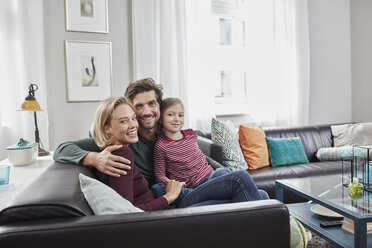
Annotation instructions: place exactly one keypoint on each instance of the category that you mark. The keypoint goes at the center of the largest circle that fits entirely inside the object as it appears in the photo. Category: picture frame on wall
(86, 16)
(88, 70)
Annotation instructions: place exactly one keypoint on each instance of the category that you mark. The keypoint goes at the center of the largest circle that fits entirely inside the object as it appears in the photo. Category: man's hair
(103, 117)
(167, 102)
(144, 85)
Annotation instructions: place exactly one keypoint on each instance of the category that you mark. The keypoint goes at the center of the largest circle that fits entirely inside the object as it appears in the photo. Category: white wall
(361, 59)
(70, 121)
(330, 69)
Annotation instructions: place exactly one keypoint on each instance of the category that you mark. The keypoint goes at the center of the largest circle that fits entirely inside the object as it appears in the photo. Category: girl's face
(173, 118)
(123, 126)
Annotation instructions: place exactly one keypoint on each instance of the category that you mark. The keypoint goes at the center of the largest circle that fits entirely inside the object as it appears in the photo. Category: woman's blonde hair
(103, 117)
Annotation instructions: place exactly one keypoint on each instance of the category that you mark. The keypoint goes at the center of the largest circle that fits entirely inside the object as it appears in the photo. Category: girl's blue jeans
(220, 186)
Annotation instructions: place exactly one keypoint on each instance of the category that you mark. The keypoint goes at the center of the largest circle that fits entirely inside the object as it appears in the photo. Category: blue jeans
(159, 189)
(237, 186)
(221, 186)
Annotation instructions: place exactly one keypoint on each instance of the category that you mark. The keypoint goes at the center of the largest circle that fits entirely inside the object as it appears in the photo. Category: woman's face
(123, 126)
(172, 118)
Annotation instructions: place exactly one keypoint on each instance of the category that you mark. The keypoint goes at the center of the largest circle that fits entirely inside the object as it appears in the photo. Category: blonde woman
(115, 123)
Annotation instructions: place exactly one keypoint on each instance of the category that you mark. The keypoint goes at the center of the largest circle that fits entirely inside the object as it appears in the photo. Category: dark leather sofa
(52, 212)
(313, 138)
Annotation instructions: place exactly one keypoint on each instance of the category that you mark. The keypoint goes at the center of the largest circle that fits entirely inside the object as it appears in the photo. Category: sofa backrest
(312, 137)
(55, 193)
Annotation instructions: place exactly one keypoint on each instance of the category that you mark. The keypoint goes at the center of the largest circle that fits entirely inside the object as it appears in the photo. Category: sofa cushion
(254, 147)
(104, 200)
(61, 198)
(225, 134)
(340, 153)
(352, 134)
(286, 151)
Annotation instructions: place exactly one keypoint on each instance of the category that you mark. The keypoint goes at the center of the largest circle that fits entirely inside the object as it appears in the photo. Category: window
(225, 31)
(243, 47)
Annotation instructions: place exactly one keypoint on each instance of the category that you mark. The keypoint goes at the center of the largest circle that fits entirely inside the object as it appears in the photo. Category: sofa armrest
(256, 224)
(210, 149)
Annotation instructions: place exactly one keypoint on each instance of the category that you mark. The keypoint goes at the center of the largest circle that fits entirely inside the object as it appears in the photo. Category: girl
(178, 157)
(115, 123)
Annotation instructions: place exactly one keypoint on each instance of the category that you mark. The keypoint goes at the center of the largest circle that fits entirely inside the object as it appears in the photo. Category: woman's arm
(86, 152)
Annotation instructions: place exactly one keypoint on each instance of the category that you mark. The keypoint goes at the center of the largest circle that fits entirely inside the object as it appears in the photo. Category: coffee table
(329, 192)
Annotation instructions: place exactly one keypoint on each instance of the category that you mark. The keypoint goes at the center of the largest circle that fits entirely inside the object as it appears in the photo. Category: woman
(115, 123)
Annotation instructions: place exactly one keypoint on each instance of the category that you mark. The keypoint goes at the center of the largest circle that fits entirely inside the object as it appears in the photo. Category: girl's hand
(173, 189)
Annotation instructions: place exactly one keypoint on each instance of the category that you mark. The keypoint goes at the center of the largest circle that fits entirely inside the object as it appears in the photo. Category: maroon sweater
(133, 186)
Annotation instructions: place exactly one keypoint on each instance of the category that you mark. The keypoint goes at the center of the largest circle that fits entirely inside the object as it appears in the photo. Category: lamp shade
(30, 105)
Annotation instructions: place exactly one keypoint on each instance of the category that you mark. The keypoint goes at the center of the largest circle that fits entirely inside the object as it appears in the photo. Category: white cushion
(352, 134)
(340, 153)
(104, 200)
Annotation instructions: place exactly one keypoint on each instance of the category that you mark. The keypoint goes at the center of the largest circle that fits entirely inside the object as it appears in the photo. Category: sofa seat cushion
(54, 194)
(265, 177)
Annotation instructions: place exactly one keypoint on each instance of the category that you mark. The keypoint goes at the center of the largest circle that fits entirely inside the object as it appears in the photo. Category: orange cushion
(253, 143)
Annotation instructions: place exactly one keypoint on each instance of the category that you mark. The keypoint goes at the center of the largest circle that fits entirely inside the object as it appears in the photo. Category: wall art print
(86, 16)
(88, 70)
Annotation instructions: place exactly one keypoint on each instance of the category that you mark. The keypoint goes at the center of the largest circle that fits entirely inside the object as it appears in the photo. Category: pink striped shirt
(180, 160)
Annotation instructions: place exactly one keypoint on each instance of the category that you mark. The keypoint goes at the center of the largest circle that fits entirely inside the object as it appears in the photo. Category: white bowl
(22, 155)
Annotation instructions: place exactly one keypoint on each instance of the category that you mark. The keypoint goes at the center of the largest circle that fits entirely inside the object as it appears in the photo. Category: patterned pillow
(224, 134)
(340, 153)
(286, 151)
(299, 236)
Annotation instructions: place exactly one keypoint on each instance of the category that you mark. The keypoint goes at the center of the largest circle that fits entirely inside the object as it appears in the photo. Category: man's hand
(173, 189)
(108, 163)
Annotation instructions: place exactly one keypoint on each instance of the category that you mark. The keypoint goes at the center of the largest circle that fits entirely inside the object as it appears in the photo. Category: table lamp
(30, 104)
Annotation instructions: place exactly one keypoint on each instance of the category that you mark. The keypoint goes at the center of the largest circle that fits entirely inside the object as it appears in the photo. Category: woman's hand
(108, 163)
(173, 189)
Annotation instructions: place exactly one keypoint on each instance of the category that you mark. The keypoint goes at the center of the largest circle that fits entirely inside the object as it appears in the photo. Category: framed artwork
(86, 16)
(88, 70)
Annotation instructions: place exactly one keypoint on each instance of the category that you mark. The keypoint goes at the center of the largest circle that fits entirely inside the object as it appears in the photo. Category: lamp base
(42, 152)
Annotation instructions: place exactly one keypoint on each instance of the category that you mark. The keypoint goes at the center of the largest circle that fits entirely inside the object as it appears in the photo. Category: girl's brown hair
(167, 102)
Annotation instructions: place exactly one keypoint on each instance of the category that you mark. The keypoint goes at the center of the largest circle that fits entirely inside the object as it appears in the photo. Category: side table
(21, 176)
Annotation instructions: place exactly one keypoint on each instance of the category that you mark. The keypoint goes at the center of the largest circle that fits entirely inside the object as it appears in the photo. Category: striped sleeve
(159, 163)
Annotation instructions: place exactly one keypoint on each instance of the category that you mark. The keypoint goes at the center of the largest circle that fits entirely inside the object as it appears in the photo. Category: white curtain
(21, 63)
(168, 47)
(173, 42)
(283, 97)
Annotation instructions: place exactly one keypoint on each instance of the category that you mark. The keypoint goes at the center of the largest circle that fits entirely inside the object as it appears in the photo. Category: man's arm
(74, 151)
(86, 152)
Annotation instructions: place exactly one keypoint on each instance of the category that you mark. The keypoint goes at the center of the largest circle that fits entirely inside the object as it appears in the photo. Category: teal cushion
(225, 134)
(286, 151)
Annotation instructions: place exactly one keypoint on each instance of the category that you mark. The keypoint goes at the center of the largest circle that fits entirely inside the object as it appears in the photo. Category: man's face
(147, 109)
